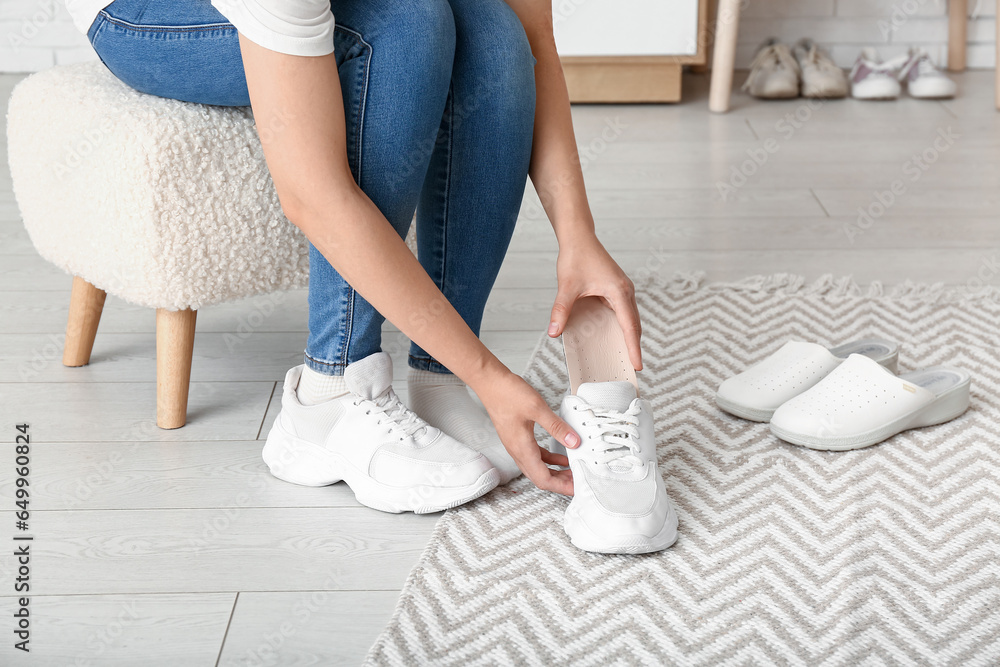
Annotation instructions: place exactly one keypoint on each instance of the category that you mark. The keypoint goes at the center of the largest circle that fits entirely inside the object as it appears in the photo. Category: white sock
(443, 401)
(315, 387)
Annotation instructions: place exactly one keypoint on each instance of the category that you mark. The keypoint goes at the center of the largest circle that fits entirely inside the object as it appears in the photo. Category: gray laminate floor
(176, 548)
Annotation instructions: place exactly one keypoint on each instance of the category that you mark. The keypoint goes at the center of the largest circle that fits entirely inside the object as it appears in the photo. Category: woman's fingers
(554, 459)
(560, 313)
(557, 428)
(557, 481)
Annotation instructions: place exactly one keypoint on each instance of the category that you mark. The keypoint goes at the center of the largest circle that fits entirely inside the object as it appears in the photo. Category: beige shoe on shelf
(820, 75)
(774, 73)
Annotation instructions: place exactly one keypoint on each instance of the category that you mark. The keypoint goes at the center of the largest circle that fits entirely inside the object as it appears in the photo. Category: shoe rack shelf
(727, 23)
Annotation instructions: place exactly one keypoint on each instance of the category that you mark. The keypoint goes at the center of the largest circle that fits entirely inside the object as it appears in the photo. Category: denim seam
(447, 190)
(364, 101)
(97, 33)
(358, 148)
(166, 28)
(323, 362)
(346, 353)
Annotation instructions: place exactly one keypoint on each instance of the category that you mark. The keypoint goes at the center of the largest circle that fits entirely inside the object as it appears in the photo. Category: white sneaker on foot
(443, 400)
(392, 460)
(619, 504)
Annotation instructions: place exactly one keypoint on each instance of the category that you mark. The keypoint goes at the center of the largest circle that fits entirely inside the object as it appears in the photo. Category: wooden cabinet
(628, 50)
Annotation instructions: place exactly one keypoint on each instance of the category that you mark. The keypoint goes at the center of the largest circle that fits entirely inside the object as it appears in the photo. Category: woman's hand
(515, 408)
(585, 268)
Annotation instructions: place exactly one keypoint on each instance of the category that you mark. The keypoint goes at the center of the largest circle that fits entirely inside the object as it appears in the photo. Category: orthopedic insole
(594, 345)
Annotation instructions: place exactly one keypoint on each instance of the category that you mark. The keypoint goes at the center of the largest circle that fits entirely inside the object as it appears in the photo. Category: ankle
(315, 387)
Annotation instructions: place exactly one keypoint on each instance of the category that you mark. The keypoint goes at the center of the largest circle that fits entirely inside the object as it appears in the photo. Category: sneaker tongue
(369, 377)
(615, 396)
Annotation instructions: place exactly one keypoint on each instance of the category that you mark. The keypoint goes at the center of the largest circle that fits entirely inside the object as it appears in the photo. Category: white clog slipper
(861, 403)
(796, 367)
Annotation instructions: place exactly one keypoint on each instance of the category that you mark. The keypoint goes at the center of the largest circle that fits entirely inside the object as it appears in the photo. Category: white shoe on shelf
(861, 403)
(392, 460)
(923, 79)
(758, 391)
(620, 504)
(873, 79)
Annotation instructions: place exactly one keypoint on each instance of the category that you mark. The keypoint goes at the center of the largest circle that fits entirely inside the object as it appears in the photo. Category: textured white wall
(845, 26)
(35, 34)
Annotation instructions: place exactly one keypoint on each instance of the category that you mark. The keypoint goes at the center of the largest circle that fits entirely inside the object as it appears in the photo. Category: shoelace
(618, 432)
(766, 54)
(396, 413)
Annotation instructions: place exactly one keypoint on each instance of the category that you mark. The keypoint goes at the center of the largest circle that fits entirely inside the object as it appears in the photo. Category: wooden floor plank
(297, 629)
(182, 475)
(126, 411)
(90, 552)
(122, 630)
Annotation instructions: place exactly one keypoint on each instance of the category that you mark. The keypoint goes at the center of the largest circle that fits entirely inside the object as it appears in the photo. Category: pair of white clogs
(843, 398)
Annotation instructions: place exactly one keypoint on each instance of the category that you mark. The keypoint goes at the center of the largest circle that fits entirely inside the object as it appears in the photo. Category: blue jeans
(439, 98)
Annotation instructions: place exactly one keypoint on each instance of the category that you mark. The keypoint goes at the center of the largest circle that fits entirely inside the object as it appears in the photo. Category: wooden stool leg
(724, 56)
(86, 303)
(958, 13)
(174, 347)
(996, 68)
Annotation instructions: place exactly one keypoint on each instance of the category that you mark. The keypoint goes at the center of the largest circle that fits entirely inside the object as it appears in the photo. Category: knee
(418, 36)
(493, 44)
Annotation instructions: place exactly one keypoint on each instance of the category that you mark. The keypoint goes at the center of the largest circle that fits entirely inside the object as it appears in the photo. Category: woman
(369, 110)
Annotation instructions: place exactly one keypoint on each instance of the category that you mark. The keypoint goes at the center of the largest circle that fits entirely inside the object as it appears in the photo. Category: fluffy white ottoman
(162, 203)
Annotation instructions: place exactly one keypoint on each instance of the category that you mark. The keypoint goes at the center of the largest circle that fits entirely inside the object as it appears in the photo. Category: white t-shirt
(295, 27)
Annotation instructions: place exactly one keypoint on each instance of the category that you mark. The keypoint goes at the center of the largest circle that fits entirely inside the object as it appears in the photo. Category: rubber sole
(583, 538)
(947, 407)
(305, 463)
(752, 414)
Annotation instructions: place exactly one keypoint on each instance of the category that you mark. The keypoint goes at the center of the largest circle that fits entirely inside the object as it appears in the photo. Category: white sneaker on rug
(923, 79)
(758, 391)
(774, 73)
(873, 79)
(392, 460)
(861, 404)
(619, 505)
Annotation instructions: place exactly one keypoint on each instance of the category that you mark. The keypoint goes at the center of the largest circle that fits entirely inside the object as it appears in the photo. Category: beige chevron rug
(884, 556)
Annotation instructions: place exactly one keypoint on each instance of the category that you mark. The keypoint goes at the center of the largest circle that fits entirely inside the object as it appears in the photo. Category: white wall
(36, 34)
(845, 26)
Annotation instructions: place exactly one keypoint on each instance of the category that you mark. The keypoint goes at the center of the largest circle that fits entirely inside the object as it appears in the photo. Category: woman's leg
(395, 76)
(478, 170)
(470, 202)
(395, 63)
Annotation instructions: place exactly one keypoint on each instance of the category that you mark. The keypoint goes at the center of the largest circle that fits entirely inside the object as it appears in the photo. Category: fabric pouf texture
(163, 203)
